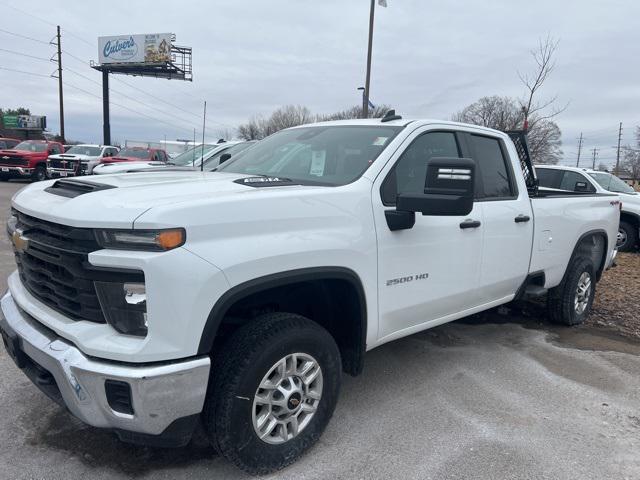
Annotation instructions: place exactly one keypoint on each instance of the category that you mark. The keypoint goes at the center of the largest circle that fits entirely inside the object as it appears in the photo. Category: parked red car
(28, 159)
(138, 154)
(8, 142)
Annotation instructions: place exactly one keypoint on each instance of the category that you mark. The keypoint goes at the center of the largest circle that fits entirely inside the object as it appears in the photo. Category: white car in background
(594, 181)
(66, 164)
(192, 159)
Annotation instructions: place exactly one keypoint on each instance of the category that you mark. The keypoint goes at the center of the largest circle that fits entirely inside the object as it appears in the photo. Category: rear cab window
(493, 170)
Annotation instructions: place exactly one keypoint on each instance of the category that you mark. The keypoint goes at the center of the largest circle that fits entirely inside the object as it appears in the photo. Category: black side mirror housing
(448, 190)
(224, 157)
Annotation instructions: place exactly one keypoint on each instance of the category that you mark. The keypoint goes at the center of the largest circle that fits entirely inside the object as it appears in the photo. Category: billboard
(143, 49)
(25, 122)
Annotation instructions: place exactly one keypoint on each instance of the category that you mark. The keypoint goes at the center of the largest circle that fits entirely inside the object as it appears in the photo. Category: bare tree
(291, 115)
(288, 116)
(533, 109)
(505, 113)
(631, 161)
(354, 112)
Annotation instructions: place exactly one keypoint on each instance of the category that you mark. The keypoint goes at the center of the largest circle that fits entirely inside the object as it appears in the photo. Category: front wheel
(627, 237)
(273, 390)
(39, 174)
(570, 302)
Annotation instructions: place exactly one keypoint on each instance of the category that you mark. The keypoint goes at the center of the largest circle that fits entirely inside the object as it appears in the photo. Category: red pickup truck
(28, 159)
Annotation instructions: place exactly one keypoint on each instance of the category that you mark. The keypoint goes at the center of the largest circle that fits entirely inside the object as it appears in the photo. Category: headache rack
(519, 138)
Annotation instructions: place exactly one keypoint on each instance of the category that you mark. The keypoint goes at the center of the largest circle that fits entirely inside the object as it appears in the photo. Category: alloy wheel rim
(622, 237)
(287, 398)
(583, 293)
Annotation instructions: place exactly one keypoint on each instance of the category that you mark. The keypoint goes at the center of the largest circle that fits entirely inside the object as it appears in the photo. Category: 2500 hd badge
(410, 278)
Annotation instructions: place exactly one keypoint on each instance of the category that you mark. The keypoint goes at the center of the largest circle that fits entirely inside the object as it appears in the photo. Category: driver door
(431, 271)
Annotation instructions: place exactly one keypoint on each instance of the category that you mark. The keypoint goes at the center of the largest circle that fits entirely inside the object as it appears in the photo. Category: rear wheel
(627, 236)
(273, 390)
(570, 302)
(39, 174)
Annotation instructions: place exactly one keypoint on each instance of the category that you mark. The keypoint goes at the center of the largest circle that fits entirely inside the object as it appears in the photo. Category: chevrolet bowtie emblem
(5, 158)
(21, 243)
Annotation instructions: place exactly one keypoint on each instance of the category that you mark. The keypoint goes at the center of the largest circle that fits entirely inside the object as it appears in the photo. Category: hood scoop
(74, 188)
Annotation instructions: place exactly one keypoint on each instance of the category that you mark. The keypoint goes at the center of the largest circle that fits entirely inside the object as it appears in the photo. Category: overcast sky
(430, 59)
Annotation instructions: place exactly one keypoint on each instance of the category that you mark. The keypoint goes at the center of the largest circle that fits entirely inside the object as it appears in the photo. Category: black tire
(630, 236)
(39, 174)
(561, 300)
(236, 373)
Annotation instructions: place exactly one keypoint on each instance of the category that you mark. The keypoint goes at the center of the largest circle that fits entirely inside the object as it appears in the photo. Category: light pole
(365, 94)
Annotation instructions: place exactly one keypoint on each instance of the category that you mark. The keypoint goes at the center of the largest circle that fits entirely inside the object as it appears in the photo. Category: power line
(25, 55)
(127, 96)
(25, 72)
(23, 36)
(126, 108)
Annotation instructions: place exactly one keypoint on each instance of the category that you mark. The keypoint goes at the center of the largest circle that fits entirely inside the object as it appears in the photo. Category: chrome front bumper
(161, 394)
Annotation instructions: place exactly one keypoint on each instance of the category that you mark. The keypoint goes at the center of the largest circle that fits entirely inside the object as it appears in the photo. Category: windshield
(327, 155)
(82, 150)
(31, 146)
(193, 156)
(135, 152)
(214, 160)
(611, 183)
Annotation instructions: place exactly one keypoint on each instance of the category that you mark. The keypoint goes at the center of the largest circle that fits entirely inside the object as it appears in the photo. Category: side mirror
(449, 190)
(224, 157)
(581, 187)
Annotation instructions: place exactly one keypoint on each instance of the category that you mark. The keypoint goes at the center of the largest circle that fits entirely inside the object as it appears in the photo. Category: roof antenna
(390, 115)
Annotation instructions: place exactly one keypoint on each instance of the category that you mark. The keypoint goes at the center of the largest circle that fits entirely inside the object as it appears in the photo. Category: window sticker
(317, 162)
(379, 141)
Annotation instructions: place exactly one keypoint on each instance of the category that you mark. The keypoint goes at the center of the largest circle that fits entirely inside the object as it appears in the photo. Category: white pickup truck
(147, 303)
(592, 181)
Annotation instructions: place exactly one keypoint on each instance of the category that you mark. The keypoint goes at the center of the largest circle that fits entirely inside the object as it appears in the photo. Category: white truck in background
(587, 180)
(148, 303)
(78, 160)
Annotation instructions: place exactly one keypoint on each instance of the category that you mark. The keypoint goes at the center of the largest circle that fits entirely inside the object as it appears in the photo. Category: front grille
(55, 269)
(13, 160)
(64, 164)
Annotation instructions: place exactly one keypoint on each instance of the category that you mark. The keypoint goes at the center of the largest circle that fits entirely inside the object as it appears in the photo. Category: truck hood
(115, 201)
(72, 156)
(124, 167)
(22, 153)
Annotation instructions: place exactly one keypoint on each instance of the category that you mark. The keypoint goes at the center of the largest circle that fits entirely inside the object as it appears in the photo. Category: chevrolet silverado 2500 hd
(146, 303)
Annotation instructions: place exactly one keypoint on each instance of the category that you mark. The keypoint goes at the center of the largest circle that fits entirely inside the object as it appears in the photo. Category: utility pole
(60, 85)
(618, 151)
(579, 150)
(365, 97)
(204, 126)
(595, 154)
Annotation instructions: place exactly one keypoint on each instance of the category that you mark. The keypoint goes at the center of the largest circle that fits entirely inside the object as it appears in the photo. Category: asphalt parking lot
(494, 397)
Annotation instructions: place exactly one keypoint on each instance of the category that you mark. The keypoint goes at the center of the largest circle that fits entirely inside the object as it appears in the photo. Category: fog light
(124, 306)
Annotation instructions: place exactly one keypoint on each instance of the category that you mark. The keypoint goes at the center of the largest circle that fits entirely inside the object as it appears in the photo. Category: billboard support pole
(106, 126)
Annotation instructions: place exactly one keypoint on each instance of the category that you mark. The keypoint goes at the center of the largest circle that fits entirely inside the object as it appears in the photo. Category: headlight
(156, 240)
(124, 306)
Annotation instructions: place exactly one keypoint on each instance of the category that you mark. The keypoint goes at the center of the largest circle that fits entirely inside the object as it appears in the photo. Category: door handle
(470, 224)
(522, 218)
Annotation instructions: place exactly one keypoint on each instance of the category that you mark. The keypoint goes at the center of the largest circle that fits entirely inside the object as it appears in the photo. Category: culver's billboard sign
(143, 48)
